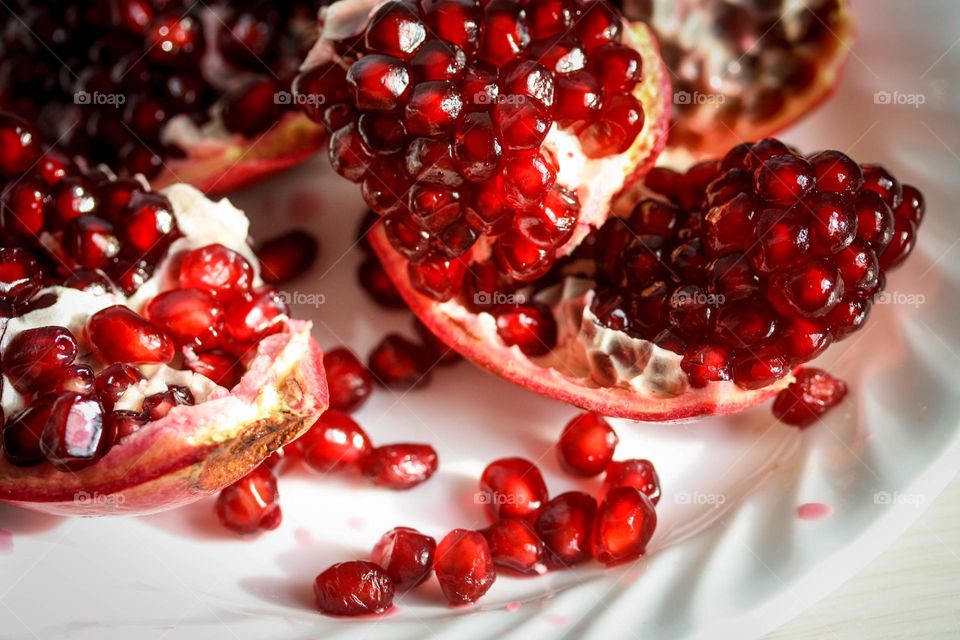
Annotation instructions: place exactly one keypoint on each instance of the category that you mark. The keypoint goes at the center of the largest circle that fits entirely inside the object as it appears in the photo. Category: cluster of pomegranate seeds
(811, 395)
(251, 504)
(750, 265)
(441, 109)
(103, 79)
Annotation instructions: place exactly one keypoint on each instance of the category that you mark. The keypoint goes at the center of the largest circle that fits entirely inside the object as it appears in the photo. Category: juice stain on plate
(513, 607)
(6, 541)
(814, 511)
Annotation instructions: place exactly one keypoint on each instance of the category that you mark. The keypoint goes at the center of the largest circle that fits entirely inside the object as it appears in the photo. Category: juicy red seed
(579, 98)
(159, 405)
(615, 129)
(434, 207)
(149, 226)
(175, 41)
(834, 222)
(353, 588)
(223, 369)
(399, 466)
(406, 555)
(113, 381)
(757, 370)
(334, 442)
(438, 60)
(521, 122)
(563, 55)
(626, 521)
(808, 290)
(129, 276)
(36, 358)
(383, 134)
(91, 242)
(566, 525)
(529, 78)
(587, 445)
(123, 424)
(803, 340)
(847, 317)
(456, 21)
(746, 324)
(515, 545)
(811, 395)
(22, 432)
(433, 109)
(639, 474)
(548, 18)
(599, 24)
(432, 161)
(77, 378)
(521, 259)
(255, 316)
(464, 566)
(904, 238)
(619, 68)
(837, 173)
(223, 273)
(913, 206)
(189, 316)
(882, 182)
(874, 220)
(287, 256)
(528, 179)
(24, 207)
(399, 363)
(395, 29)
(320, 88)
(118, 334)
(437, 276)
(553, 222)
(477, 148)
(19, 145)
(246, 39)
(19, 275)
(375, 281)
(349, 381)
(480, 86)
(531, 327)
(379, 82)
(782, 239)
(512, 488)
(728, 186)
(782, 180)
(505, 33)
(706, 363)
(858, 266)
(74, 436)
(251, 504)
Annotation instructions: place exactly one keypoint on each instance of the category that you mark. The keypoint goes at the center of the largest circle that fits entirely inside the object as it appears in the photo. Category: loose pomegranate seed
(566, 525)
(399, 466)
(811, 395)
(113, 381)
(255, 316)
(35, 358)
(334, 442)
(378, 284)
(586, 445)
(189, 316)
(22, 432)
(406, 555)
(118, 334)
(287, 257)
(353, 588)
(464, 566)
(512, 488)
(400, 364)
(638, 474)
(349, 382)
(159, 405)
(531, 327)
(74, 436)
(221, 272)
(250, 504)
(19, 275)
(625, 523)
(515, 545)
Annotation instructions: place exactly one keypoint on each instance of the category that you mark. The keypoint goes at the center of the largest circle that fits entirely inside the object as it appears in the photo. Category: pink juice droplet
(513, 606)
(814, 511)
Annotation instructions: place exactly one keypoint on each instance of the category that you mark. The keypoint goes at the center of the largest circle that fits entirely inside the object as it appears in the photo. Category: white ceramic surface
(732, 557)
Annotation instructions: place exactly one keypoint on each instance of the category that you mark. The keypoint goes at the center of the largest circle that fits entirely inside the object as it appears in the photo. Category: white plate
(732, 557)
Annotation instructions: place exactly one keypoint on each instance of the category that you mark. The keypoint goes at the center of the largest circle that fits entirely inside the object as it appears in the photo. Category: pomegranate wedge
(703, 297)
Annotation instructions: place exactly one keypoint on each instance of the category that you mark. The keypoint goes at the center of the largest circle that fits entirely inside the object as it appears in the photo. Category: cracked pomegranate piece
(515, 545)
(399, 466)
(638, 474)
(587, 445)
(812, 394)
(704, 293)
(464, 566)
(512, 488)
(348, 379)
(406, 555)
(334, 442)
(566, 525)
(118, 382)
(177, 92)
(251, 504)
(353, 588)
(626, 521)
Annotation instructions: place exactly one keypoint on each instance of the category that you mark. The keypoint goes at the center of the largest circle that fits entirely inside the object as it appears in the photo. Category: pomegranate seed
(223, 369)
(255, 316)
(480, 86)
(529, 78)
(638, 474)
(406, 555)
(19, 146)
(731, 226)
(706, 363)
(379, 82)
(113, 381)
(760, 369)
(874, 220)
(521, 122)
(803, 340)
(464, 566)
(615, 129)
(515, 545)
(123, 424)
(439, 60)
(834, 222)
(159, 405)
(512, 488)
(353, 588)
(625, 523)
(129, 277)
(175, 41)
(246, 39)
(252, 109)
(531, 327)
(400, 364)
(599, 24)
(782, 180)
(505, 33)
(783, 238)
(433, 109)
(409, 240)
(281, 460)
(904, 238)
(383, 135)
(74, 436)
(566, 527)
(913, 207)
(189, 316)
(437, 276)
(21, 434)
(836, 172)
(334, 442)
(251, 504)
(118, 334)
(287, 257)
(586, 445)
(91, 242)
(36, 358)
(395, 29)
(618, 67)
(455, 21)
(399, 466)
(24, 207)
(521, 259)
(808, 291)
(882, 182)
(579, 98)
(349, 381)
(549, 18)
(150, 225)
(329, 82)
(811, 395)
(746, 324)
(77, 378)
(19, 275)
(477, 148)
(223, 273)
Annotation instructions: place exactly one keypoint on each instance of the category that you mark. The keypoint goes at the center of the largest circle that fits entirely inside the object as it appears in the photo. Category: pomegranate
(353, 588)
(125, 386)
(464, 566)
(745, 70)
(625, 523)
(586, 445)
(406, 555)
(812, 394)
(176, 91)
(705, 295)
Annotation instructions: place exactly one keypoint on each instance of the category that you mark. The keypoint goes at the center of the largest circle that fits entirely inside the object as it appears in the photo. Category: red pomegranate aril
(22, 432)
(432, 161)
(19, 275)
(349, 381)
(522, 123)
(808, 290)
(783, 237)
(334, 442)
(113, 381)
(530, 327)
(319, 89)
(433, 109)
(877, 179)
(246, 39)
(223, 273)
(565, 524)
(149, 226)
(406, 555)
(464, 566)
(615, 129)
(599, 24)
(399, 466)
(848, 316)
(24, 207)
(809, 397)
(19, 146)
(175, 41)
(433, 207)
(189, 316)
(382, 134)
(512, 488)
(129, 276)
(617, 67)
(746, 324)
(36, 358)
(547, 18)
(77, 378)
(579, 98)
(528, 178)
(874, 220)
(587, 445)
(755, 370)
(287, 257)
(858, 267)
(515, 545)
(437, 276)
(553, 222)
(456, 21)
(91, 242)
(221, 368)
(400, 364)
(913, 207)
(706, 363)
(118, 334)
(353, 588)
(123, 424)
(477, 148)
(836, 172)
(255, 316)
(379, 82)
(834, 222)
(74, 436)
(159, 405)
(782, 180)
(529, 78)
(72, 198)
(349, 155)
(505, 34)
(251, 504)
(904, 238)
(626, 521)
(639, 474)
(563, 55)
(395, 29)
(438, 60)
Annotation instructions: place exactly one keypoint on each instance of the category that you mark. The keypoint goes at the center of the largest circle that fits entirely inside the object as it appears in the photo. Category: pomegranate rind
(194, 451)
(463, 331)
